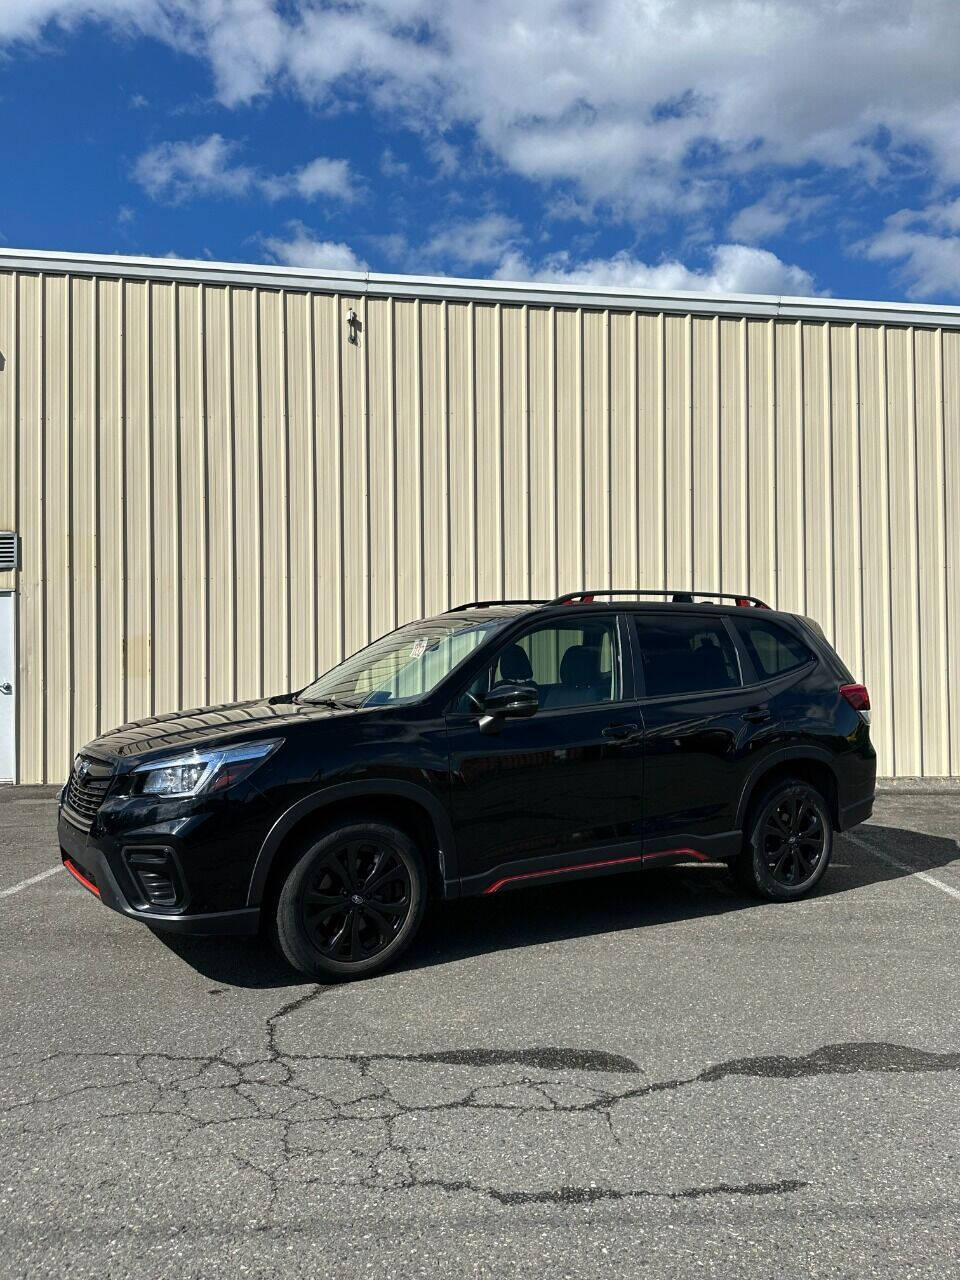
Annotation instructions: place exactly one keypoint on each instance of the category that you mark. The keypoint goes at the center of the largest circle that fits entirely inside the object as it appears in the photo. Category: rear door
(706, 725)
(566, 785)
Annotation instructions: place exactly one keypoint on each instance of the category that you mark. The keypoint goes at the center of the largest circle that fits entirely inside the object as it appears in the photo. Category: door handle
(756, 715)
(6, 687)
(621, 732)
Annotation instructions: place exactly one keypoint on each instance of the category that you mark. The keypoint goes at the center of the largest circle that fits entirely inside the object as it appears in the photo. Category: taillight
(858, 697)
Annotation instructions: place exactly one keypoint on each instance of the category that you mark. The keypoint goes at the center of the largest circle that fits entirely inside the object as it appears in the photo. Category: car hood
(208, 726)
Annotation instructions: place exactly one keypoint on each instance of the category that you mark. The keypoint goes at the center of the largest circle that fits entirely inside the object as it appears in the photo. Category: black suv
(501, 744)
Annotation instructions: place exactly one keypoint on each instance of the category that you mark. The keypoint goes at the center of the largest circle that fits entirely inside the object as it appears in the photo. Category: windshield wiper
(323, 702)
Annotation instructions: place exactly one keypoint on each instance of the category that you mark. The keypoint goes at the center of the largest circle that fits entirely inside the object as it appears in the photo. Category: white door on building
(8, 687)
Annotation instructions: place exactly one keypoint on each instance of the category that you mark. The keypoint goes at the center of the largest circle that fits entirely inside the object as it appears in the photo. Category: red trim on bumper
(78, 875)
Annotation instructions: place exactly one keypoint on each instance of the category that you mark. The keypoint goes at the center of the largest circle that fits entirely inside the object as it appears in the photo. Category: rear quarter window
(772, 649)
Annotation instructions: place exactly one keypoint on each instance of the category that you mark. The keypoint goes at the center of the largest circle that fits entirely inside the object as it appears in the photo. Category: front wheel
(352, 901)
(788, 842)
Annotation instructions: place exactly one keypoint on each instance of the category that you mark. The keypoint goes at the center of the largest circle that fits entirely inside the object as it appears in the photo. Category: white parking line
(25, 884)
(903, 866)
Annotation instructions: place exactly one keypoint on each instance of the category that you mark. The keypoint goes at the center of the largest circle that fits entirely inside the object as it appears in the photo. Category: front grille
(86, 790)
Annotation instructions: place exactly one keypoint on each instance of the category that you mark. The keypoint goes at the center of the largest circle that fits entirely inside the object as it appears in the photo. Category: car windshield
(404, 665)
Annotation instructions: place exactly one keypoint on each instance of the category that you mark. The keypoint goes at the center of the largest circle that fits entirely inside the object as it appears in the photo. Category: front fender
(317, 801)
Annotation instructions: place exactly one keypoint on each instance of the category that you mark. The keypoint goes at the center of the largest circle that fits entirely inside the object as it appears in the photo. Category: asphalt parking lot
(644, 1075)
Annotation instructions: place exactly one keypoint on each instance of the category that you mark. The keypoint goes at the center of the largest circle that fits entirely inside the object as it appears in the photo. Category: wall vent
(9, 551)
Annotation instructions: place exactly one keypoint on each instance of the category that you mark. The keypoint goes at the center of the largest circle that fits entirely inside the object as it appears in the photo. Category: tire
(352, 902)
(788, 842)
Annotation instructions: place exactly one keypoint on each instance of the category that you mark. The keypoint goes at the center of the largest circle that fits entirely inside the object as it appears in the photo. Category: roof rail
(490, 604)
(676, 597)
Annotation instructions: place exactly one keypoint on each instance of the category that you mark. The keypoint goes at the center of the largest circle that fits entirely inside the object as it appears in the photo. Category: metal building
(224, 478)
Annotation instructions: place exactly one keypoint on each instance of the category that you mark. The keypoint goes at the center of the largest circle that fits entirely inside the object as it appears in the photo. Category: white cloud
(302, 249)
(733, 268)
(618, 97)
(321, 177)
(474, 242)
(925, 246)
(177, 171)
(782, 207)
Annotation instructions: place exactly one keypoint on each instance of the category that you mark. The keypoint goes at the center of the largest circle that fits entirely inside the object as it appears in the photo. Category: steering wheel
(477, 704)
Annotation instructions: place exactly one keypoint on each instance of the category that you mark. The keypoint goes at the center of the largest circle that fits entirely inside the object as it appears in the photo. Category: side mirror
(508, 701)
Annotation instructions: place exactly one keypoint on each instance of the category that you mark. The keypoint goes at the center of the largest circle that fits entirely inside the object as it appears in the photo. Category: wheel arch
(413, 809)
(812, 764)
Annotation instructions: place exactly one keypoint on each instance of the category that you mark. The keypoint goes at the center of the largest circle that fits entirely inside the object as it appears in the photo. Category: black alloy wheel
(793, 840)
(356, 900)
(789, 840)
(352, 901)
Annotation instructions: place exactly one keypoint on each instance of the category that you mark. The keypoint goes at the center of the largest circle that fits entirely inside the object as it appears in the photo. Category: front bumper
(99, 867)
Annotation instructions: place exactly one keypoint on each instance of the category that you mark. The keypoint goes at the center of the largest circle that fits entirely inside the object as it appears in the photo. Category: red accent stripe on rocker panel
(591, 866)
(78, 875)
(673, 853)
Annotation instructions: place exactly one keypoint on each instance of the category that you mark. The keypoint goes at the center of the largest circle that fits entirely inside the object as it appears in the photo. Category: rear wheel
(788, 842)
(352, 901)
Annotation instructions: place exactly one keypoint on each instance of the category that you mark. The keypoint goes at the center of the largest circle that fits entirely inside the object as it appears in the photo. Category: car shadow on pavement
(533, 916)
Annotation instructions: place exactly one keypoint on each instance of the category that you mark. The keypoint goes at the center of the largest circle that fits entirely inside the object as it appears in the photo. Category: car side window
(686, 654)
(570, 665)
(772, 649)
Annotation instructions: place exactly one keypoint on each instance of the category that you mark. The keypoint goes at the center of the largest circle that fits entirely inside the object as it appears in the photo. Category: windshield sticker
(419, 647)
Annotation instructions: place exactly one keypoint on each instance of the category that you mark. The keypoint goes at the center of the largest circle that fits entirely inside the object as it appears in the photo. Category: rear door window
(771, 648)
(682, 653)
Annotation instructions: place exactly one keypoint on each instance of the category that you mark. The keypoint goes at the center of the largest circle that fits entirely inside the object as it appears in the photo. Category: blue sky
(791, 146)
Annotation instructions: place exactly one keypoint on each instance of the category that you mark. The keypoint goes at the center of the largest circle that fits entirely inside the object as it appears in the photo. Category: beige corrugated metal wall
(219, 494)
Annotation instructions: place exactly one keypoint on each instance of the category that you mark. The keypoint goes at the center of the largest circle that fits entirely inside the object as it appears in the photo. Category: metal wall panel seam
(920, 748)
(690, 480)
(774, 449)
(717, 534)
(313, 501)
(365, 470)
(17, 520)
(889, 548)
(501, 552)
(41, 709)
(744, 361)
(581, 456)
(231, 463)
(418, 446)
(445, 449)
(829, 459)
(96, 504)
(283, 504)
(70, 549)
(258, 492)
(472, 447)
(800, 445)
(858, 454)
(953, 748)
(338, 449)
(525, 418)
(662, 394)
(394, 544)
(178, 490)
(607, 454)
(552, 447)
(204, 474)
(123, 425)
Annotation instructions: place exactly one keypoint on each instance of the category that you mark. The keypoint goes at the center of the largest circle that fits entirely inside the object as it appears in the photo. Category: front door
(707, 724)
(564, 786)
(8, 687)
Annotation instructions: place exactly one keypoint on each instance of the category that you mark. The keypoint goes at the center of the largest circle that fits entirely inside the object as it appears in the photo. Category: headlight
(196, 771)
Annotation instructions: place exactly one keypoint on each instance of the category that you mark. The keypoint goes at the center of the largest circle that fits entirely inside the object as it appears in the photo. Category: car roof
(475, 614)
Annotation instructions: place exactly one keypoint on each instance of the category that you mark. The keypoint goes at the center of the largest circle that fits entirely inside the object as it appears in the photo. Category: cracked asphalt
(644, 1075)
